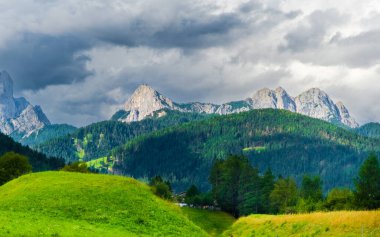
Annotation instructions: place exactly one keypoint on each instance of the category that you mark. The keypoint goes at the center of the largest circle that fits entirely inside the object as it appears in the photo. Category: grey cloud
(311, 32)
(36, 61)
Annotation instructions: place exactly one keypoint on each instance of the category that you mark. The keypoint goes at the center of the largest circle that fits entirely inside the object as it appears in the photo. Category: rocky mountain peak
(17, 114)
(144, 101)
(264, 98)
(317, 104)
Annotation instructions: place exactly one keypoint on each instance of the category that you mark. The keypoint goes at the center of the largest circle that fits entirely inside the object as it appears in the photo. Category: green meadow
(74, 204)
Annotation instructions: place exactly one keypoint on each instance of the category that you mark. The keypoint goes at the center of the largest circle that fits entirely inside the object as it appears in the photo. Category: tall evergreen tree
(311, 188)
(367, 194)
(249, 191)
(284, 195)
(267, 187)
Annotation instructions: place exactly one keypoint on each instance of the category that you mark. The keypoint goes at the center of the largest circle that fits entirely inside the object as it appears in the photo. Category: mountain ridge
(314, 103)
(17, 114)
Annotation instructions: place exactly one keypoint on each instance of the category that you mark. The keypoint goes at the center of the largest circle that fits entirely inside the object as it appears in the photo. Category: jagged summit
(17, 114)
(144, 101)
(314, 103)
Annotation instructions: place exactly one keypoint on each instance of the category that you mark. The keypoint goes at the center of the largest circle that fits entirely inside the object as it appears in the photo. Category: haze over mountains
(313, 103)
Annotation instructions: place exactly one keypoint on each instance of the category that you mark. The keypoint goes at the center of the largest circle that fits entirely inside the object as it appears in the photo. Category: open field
(343, 223)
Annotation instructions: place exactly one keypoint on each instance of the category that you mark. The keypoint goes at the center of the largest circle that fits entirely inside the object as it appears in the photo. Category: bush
(80, 167)
(161, 188)
(339, 199)
(13, 165)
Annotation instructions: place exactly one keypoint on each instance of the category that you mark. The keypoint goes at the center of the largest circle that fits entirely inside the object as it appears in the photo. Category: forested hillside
(97, 140)
(44, 134)
(369, 130)
(288, 143)
(38, 161)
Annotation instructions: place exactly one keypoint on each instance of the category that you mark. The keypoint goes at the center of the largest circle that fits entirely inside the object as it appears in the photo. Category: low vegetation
(213, 222)
(343, 223)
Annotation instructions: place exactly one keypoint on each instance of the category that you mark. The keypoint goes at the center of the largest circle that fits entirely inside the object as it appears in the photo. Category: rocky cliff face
(313, 103)
(17, 114)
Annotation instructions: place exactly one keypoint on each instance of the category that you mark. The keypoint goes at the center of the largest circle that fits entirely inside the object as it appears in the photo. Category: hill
(344, 223)
(98, 139)
(73, 204)
(39, 161)
(369, 130)
(288, 143)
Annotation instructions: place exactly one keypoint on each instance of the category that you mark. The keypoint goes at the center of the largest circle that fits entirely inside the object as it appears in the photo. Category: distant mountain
(369, 130)
(39, 161)
(17, 114)
(288, 143)
(313, 103)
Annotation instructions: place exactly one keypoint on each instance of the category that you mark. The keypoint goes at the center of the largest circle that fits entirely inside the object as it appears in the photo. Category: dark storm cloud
(37, 60)
(187, 32)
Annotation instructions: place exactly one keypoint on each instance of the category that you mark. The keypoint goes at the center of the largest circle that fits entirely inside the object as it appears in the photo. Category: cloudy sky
(80, 60)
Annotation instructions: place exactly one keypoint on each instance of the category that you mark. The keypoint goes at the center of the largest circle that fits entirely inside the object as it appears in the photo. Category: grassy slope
(344, 223)
(213, 222)
(73, 204)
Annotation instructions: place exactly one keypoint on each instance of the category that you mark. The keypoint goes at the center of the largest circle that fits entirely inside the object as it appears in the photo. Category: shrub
(13, 165)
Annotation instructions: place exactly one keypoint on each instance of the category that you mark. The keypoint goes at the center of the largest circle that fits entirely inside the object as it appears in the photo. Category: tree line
(238, 188)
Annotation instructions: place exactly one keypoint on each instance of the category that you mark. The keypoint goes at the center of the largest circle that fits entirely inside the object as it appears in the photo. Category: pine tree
(367, 194)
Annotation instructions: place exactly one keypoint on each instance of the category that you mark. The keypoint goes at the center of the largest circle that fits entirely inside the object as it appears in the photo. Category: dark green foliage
(284, 196)
(226, 177)
(192, 191)
(290, 144)
(97, 140)
(80, 167)
(161, 188)
(266, 189)
(192, 196)
(311, 188)
(367, 194)
(38, 160)
(13, 165)
(46, 133)
(369, 130)
(249, 191)
(339, 199)
(195, 198)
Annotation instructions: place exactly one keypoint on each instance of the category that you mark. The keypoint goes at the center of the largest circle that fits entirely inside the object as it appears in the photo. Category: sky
(81, 60)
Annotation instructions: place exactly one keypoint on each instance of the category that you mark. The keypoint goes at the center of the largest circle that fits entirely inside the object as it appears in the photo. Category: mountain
(313, 103)
(288, 143)
(39, 161)
(369, 130)
(98, 139)
(17, 114)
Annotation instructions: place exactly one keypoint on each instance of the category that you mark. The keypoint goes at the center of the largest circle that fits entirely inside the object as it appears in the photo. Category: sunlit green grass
(213, 222)
(73, 204)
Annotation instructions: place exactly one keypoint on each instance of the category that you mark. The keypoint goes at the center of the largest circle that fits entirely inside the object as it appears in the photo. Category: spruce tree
(367, 194)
